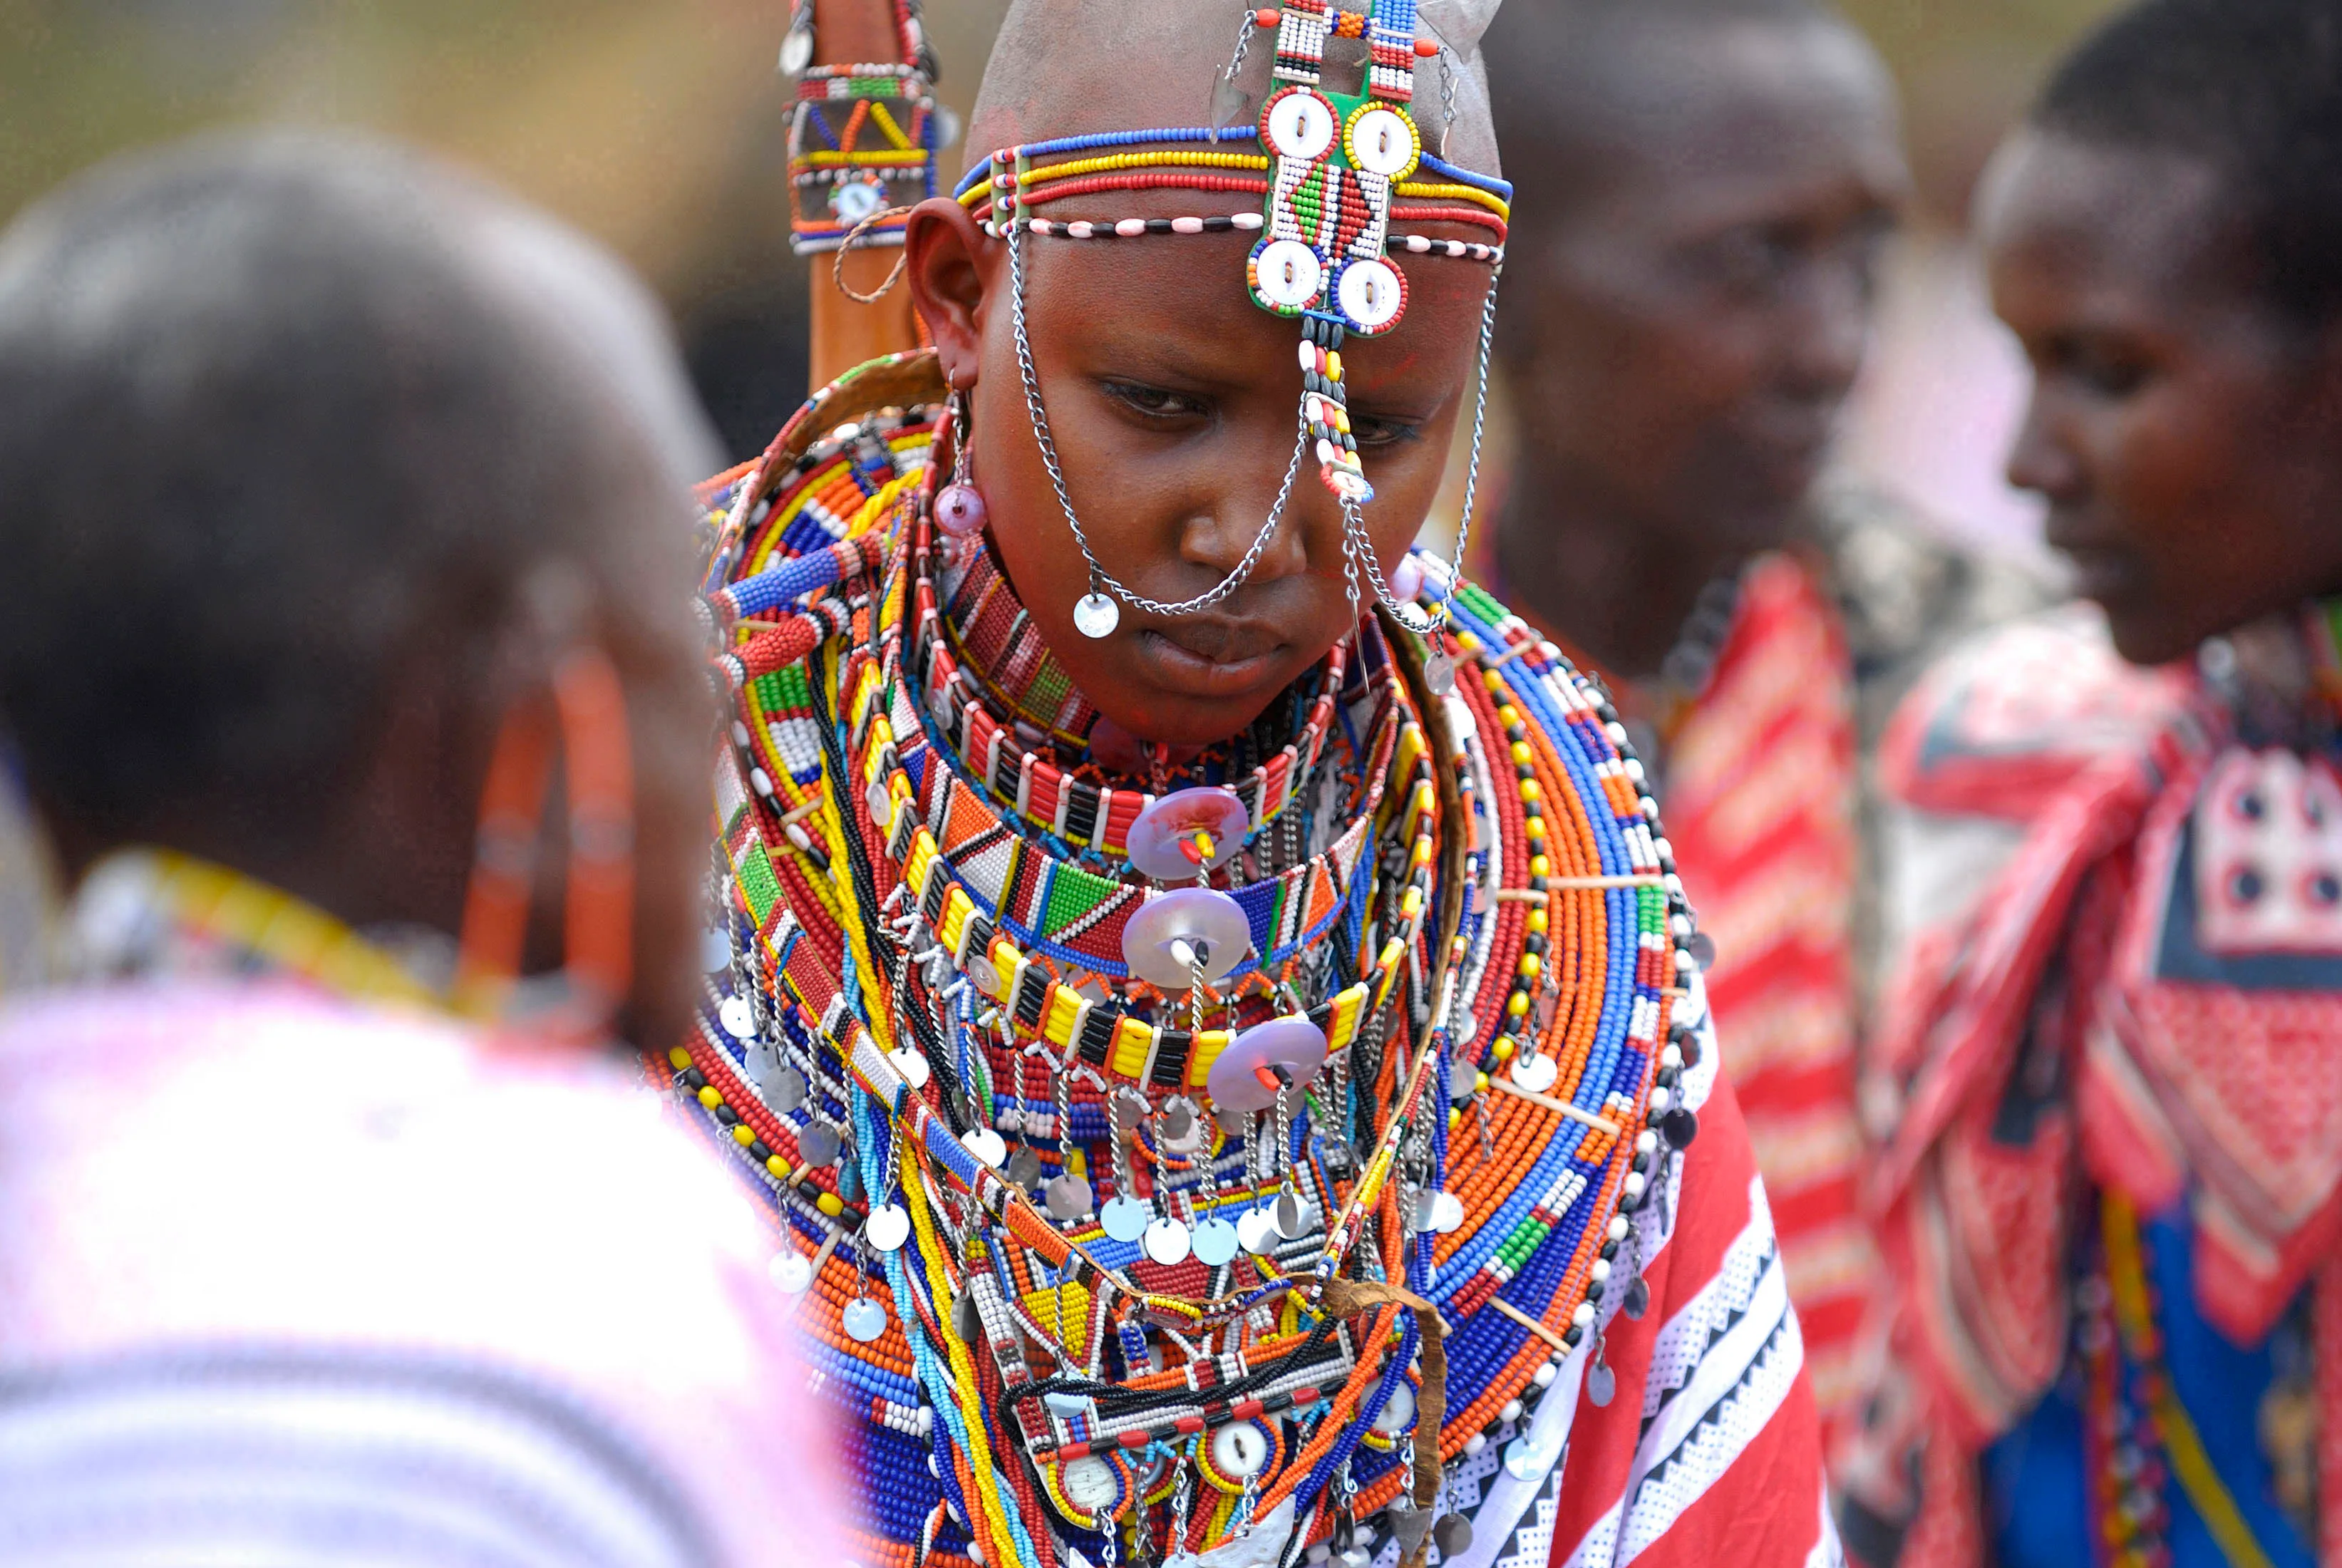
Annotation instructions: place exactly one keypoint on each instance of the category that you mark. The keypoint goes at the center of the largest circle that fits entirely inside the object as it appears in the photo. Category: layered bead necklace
(1162, 1160)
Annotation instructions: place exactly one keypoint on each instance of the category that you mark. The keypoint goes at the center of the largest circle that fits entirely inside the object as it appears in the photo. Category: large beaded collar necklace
(1229, 1181)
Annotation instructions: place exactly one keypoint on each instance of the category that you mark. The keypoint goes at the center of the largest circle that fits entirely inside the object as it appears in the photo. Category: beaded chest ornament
(1330, 173)
(1256, 1197)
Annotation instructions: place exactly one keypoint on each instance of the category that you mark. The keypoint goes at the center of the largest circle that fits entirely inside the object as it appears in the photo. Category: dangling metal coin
(987, 1146)
(1702, 948)
(1125, 1217)
(888, 1228)
(864, 1319)
(1167, 1241)
(796, 51)
(1679, 1126)
(1601, 1384)
(1536, 1073)
(1257, 1232)
(1179, 1128)
(1463, 1082)
(716, 951)
(1214, 1243)
(1448, 1213)
(912, 1065)
(739, 1020)
(1528, 1458)
(1295, 1218)
(1451, 1535)
(789, 1090)
(817, 1145)
(1427, 1210)
(1024, 1168)
(1638, 1298)
(1096, 615)
(1068, 1198)
(1439, 674)
(1397, 1412)
(793, 1271)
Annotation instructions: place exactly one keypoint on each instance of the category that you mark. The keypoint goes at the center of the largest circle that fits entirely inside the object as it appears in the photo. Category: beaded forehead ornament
(1332, 169)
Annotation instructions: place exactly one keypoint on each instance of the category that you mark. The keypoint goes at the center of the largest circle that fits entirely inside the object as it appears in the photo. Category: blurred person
(1705, 188)
(331, 499)
(1182, 1165)
(2113, 1199)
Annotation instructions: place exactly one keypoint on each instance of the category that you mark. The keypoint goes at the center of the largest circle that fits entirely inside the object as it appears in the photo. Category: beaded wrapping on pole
(864, 140)
(915, 1086)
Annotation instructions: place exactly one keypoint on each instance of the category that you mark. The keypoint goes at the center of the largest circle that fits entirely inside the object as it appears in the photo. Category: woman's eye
(1370, 432)
(1154, 402)
(2107, 369)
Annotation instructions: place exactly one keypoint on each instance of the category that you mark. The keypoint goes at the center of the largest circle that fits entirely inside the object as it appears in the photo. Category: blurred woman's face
(2182, 433)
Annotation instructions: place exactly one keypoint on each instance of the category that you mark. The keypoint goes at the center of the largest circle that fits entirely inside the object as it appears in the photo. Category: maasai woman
(2115, 1192)
(1207, 992)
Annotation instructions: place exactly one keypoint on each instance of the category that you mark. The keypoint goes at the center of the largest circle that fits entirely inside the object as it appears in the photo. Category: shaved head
(1594, 94)
(314, 456)
(1072, 67)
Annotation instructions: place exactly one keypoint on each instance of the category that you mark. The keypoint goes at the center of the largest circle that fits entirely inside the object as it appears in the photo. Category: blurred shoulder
(2003, 719)
(1908, 587)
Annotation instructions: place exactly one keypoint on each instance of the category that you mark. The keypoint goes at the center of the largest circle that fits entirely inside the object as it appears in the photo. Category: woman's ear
(946, 249)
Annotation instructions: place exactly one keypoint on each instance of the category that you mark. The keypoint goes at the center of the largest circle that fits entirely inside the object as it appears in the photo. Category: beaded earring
(590, 707)
(959, 505)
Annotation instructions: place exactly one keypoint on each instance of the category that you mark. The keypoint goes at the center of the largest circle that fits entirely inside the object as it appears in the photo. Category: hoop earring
(959, 506)
(598, 938)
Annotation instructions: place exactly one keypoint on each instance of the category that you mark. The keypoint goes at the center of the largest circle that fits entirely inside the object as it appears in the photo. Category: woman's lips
(1211, 661)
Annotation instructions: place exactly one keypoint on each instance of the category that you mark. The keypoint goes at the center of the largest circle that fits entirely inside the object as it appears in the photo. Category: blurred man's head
(313, 458)
(2165, 236)
(1701, 189)
(1171, 396)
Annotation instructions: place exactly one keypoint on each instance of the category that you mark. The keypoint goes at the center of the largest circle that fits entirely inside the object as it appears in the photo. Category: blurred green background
(658, 125)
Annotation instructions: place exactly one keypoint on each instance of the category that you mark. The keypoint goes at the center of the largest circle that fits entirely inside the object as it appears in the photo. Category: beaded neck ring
(1330, 172)
(863, 138)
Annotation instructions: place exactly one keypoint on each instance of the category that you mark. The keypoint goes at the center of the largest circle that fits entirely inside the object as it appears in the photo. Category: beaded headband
(1330, 172)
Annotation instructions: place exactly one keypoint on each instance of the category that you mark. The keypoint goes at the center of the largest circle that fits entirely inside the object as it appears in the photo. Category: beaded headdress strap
(1331, 172)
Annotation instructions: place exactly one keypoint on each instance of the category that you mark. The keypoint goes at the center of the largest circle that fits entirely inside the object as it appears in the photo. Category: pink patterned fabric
(189, 1166)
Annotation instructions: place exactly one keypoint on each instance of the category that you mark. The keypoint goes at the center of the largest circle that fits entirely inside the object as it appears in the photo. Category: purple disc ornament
(1246, 1075)
(1204, 922)
(1188, 832)
(959, 510)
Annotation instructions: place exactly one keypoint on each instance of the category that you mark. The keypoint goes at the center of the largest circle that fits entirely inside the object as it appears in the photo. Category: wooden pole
(846, 333)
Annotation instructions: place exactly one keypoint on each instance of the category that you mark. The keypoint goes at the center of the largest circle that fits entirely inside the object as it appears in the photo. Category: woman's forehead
(2078, 210)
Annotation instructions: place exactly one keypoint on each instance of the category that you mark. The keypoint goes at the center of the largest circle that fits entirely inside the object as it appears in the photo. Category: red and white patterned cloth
(1711, 1449)
(1760, 804)
(2088, 1001)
